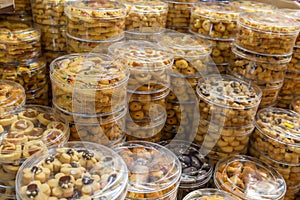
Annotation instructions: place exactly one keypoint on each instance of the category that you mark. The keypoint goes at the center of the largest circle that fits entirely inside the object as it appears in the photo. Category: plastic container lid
(280, 125)
(152, 168)
(270, 22)
(100, 173)
(142, 55)
(14, 32)
(88, 71)
(249, 178)
(209, 194)
(254, 6)
(146, 6)
(295, 13)
(29, 130)
(12, 95)
(227, 91)
(105, 9)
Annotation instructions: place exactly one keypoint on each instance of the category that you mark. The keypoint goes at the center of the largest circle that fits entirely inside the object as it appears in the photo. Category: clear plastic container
(48, 12)
(19, 42)
(39, 95)
(30, 74)
(179, 13)
(51, 55)
(249, 178)
(221, 49)
(154, 171)
(295, 105)
(277, 134)
(12, 96)
(26, 131)
(294, 64)
(146, 34)
(255, 6)
(149, 65)
(292, 193)
(191, 53)
(7, 190)
(22, 7)
(179, 29)
(88, 83)
(145, 14)
(26, 19)
(75, 45)
(291, 84)
(209, 194)
(196, 168)
(255, 69)
(284, 100)
(295, 13)
(225, 100)
(267, 33)
(75, 170)
(214, 19)
(92, 20)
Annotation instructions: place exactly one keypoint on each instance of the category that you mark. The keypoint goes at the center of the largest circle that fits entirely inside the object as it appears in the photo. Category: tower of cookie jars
(262, 49)
(276, 141)
(20, 60)
(227, 109)
(191, 58)
(148, 87)
(89, 90)
(94, 25)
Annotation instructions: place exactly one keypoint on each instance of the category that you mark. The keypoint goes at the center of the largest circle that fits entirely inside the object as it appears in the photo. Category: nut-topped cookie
(209, 194)
(76, 170)
(154, 171)
(95, 20)
(249, 178)
(277, 134)
(88, 83)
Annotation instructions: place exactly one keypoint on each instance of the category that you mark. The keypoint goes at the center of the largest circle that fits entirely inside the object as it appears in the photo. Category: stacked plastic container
(148, 86)
(209, 194)
(89, 90)
(262, 49)
(191, 58)
(227, 111)
(93, 26)
(24, 132)
(276, 141)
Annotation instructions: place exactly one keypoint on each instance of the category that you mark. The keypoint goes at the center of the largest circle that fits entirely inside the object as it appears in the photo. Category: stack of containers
(89, 90)
(179, 14)
(148, 87)
(93, 24)
(191, 57)
(276, 141)
(24, 132)
(291, 84)
(20, 60)
(227, 110)
(263, 47)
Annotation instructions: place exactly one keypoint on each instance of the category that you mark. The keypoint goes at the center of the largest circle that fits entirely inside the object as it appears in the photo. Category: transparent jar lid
(12, 95)
(249, 178)
(270, 22)
(209, 194)
(142, 54)
(184, 45)
(94, 167)
(14, 32)
(254, 6)
(105, 9)
(146, 6)
(28, 130)
(89, 71)
(227, 91)
(279, 124)
(152, 167)
(295, 13)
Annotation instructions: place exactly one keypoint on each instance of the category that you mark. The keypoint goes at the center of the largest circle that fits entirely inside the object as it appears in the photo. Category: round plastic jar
(19, 42)
(270, 92)
(277, 134)
(291, 84)
(39, 95)
(214, 19)
(12, 96)
(88, 83)
(22, 7)
(209, 194)
(48, 12)
(51, 55)
(295, 105)
(221, 50)
(92, 20)
(249, 178)
(233, 102)
(294, 64)
(26, 131)
(295, 13)
(7, 190)
(267, 33)
(26, 19)
(148, 63)
(284, 100)
(196, 168)
(154, 171)
(254, 6)
(145, 14)
(74, 170)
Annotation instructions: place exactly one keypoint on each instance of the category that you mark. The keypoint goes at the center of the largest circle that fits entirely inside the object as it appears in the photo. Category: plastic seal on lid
(249, 178)
(280, 125)
(209, 194)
